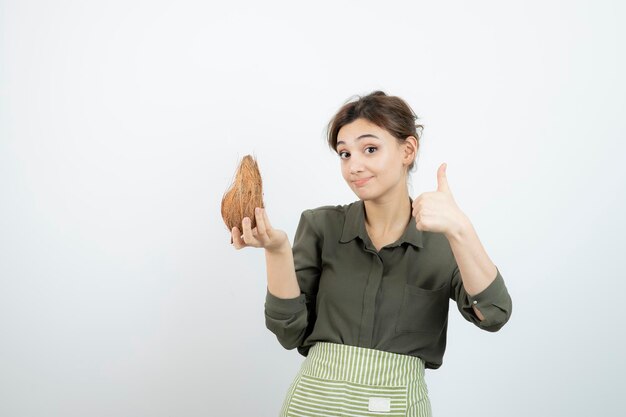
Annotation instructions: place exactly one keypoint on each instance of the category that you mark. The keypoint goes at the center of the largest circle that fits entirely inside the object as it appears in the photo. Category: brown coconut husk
(244, 195)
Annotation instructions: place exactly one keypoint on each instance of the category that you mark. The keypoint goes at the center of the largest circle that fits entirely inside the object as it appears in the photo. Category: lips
(361, 182)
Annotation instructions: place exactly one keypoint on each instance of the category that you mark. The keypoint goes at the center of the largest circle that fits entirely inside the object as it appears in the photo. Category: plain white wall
(121, 125)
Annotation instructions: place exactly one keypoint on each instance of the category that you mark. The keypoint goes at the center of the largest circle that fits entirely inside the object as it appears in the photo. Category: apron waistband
(333, 361)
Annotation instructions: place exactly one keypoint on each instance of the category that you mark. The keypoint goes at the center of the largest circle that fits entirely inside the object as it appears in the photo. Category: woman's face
(371, 159)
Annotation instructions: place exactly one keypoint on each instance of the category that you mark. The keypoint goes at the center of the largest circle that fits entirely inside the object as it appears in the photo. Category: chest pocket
(423, 310)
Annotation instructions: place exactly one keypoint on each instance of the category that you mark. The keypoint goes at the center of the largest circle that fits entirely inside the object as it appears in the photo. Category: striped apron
(341, 380)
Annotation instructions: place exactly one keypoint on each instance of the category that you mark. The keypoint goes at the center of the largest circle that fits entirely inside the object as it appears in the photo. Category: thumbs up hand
(436, 211)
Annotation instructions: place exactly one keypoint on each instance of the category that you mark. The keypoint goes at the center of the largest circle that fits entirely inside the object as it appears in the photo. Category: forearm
(281, 273)
(477, 270)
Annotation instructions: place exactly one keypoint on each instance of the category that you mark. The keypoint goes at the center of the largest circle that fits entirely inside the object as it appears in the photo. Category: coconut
(244, 195)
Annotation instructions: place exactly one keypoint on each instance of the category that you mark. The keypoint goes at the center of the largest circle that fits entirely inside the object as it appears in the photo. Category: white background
(122, 123)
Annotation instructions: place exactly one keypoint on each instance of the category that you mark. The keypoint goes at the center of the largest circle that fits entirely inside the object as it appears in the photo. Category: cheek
(392, 163)
(381, 165)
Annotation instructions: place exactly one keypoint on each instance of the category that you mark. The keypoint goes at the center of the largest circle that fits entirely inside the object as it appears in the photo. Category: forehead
(359, 129)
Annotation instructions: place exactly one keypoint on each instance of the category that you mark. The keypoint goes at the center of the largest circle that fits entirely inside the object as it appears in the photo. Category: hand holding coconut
(242, 205)
(262, 236)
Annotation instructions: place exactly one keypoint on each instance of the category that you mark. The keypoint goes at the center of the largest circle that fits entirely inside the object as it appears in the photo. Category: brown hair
(388, 112)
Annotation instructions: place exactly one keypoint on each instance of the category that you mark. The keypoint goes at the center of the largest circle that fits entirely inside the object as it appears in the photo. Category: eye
(341, 153)
(371, 147)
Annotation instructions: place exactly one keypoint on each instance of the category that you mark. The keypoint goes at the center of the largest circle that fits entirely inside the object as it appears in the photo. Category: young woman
(364, 292)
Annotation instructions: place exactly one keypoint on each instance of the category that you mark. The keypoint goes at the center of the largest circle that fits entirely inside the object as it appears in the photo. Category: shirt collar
(354, 225)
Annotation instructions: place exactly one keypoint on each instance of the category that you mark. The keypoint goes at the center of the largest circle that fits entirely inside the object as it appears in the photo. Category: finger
(416, 209)
(247, 232)
(238, 243)
(260, 222)
(442, 179)
(266, 220)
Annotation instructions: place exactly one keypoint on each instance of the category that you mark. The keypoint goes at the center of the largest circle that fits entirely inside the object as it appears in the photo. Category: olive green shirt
(395, 299)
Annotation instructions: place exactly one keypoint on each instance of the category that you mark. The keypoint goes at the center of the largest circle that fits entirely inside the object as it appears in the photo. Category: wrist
(461, 228)
(282, 249)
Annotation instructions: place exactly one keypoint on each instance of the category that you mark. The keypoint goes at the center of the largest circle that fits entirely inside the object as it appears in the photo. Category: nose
(355, 168)
(356, 165)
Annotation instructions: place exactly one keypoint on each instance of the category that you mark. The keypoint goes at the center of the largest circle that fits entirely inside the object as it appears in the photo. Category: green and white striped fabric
(342, 380)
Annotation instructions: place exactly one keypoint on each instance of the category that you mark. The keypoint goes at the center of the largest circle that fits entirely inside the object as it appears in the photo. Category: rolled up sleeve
(292, 319)
(494, 302)
(286, 318)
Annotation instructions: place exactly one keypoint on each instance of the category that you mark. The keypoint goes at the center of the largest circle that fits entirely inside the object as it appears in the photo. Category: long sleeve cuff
(494, 302)
(286, 318)
(283, 307)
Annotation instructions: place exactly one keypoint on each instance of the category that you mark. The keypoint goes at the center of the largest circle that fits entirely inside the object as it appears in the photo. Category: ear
(410, 147)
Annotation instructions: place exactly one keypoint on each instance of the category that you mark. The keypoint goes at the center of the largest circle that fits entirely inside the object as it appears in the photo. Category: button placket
(374, 281)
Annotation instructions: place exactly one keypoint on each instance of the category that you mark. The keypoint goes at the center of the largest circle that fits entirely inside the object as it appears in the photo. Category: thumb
(442, 179)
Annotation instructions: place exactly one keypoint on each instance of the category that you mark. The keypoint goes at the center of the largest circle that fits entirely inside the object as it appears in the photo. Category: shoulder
(327, 210)
(326, 217)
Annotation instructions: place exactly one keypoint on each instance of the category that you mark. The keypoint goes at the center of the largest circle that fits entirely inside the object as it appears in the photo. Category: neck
(389, 213)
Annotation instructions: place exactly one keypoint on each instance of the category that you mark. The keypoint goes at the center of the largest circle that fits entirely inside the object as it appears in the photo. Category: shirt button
(475, 302)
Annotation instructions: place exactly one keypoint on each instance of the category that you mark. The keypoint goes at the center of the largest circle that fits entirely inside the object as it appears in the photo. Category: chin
(364, 194)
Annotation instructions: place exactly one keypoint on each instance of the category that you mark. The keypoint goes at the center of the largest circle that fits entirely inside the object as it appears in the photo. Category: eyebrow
(367, 135)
